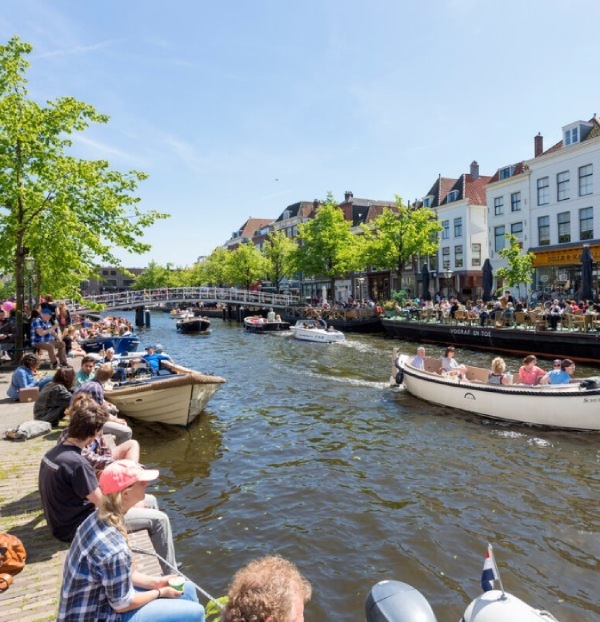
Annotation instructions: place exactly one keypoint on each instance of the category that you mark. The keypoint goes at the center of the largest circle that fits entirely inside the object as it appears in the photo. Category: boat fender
(400, 377)
(395, 601)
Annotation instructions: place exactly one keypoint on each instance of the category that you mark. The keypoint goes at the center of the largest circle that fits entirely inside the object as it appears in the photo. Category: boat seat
(432, 365)
(477, 374)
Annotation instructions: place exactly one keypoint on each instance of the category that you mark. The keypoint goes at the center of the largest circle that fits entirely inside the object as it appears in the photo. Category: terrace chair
(522, 319)
(574, 322)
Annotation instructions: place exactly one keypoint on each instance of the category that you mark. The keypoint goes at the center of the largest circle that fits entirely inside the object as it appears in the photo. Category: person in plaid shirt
(99, 582)
(44, 337)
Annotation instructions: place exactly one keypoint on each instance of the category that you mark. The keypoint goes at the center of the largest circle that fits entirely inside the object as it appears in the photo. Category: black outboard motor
(395, 601)
(589, 384)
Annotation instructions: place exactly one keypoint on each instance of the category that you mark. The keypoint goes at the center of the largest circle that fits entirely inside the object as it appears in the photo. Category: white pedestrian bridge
(181, 296)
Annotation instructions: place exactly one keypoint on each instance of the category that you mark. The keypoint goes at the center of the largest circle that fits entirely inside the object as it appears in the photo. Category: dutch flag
(490, 572)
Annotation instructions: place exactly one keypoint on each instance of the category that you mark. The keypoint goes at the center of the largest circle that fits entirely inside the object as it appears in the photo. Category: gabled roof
(440, 190)
(519, 168)
(302, 209)
(470, 188)
(359, 211)
(252, 225)
(593, 133)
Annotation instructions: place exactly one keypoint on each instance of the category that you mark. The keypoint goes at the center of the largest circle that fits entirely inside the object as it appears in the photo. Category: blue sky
(239, 108)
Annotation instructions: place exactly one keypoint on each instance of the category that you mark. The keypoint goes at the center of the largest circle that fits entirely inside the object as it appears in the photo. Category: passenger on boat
(554, 314)
(99, 580)
(497, 375)
(321, 322)
(153, 359)
(562, 372)
(449, 364)
(529, 372)
(278, 318)
(419, 360)
(269, 589)
(271, 315)
(119, 370)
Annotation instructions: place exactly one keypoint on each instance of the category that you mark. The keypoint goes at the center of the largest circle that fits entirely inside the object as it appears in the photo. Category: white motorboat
(313, 330)
(176, 398)
(574, 406)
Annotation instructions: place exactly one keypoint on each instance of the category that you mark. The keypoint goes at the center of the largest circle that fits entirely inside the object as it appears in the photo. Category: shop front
(557, 271)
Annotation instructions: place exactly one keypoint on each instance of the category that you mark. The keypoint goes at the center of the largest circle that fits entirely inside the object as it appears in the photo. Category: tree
(278, 251)
(245, 265)
(519, 268)
(327, 246)
(67, 213)
(395, 237)
(213, 269)
(154, 277)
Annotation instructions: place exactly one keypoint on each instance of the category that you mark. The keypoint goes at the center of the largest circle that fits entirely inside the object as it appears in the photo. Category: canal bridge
(182, 296)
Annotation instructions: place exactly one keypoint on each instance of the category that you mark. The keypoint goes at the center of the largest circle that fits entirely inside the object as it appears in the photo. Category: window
(543, 191)
(428, 201)
(452, 196)
(517, 230)
(564, 227)
(446, 230)
(476, 254)
(446, 257)
(458, 256)
(571, 136)
(506, 172)
(586, 185)
(499, 238)
(458, 227)
(544, 230)
(498, 206)
(515, 202)
(586, 223)
(562, 186)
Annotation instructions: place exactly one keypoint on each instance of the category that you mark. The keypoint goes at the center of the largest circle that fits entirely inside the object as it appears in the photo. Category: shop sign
(563, 257)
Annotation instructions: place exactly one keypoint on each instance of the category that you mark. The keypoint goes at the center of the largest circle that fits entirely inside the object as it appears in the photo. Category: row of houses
(549, 202)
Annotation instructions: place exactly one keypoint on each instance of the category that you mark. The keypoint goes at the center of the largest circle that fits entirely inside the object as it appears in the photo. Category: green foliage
(327, 246)
(399, 297)
(519, 268)
(69, 213)
(397, 236)
(213, 270)
(245, 265)
(278, 252)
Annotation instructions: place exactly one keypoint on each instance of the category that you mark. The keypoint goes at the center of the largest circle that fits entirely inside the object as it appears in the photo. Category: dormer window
(452, 196)
(574, 133)
(428, 201)
(506, 172)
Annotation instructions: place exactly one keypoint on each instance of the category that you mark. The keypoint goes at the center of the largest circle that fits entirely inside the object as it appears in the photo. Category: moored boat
(362, 320)
(313, 330)
(193, 324)
(574, 406)
(176, 398)
(122, 344)
(258, 324)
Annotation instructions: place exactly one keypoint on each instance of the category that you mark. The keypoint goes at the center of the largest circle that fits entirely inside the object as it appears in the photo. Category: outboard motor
(395, 601)
(590, 383)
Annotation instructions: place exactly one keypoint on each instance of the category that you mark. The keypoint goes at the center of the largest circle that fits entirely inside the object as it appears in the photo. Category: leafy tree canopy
(278, 252)
(519, 268)
(245, 265)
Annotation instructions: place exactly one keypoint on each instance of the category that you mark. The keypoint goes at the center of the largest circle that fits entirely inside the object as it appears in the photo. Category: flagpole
(493, 557)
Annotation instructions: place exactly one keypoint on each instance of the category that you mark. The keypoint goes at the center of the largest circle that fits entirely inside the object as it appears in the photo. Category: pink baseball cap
(121, 474)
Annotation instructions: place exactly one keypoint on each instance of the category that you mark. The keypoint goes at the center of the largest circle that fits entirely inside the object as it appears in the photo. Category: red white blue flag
(490, 572)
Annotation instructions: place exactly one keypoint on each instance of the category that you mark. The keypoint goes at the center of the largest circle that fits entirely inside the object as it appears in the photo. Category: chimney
(538, 145)
(474, 169)
(348, 196)
(315, 204)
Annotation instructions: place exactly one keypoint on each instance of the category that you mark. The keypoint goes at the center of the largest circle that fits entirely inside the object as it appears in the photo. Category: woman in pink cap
(99, 582)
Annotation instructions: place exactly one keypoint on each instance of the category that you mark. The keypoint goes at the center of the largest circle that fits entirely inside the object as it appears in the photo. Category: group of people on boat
(529, 373)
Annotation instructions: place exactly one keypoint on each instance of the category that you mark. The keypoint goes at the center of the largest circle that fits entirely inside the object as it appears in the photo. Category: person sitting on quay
(418, 361)
(269, 589)
(7, 333)
(561, 373)
(95, 388)
(100, 581)
(86, 371)
(55, 397)
(497, 375)
(529, 373)
(449, 364)
(24, 377)
(68, 479)
(45, 337)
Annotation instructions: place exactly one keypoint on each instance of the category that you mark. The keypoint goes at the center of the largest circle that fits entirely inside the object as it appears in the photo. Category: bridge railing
(185, 295)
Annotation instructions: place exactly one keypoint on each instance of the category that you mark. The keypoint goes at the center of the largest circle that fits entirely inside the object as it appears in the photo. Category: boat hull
(569, 407)
(581, 347)
(309, 330)
(254, 326)
(347, 321)
(174, 400)
(194, 325)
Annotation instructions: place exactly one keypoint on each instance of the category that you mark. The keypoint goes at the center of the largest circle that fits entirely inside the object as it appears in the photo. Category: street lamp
(359, 290)
(29, 268)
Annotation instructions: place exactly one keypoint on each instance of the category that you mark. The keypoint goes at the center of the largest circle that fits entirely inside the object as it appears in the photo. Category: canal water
(306, 452)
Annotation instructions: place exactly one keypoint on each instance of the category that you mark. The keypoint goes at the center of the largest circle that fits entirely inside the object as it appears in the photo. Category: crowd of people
(529, 373)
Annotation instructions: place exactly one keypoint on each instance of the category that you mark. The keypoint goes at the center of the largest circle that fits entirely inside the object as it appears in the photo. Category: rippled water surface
(306, 452)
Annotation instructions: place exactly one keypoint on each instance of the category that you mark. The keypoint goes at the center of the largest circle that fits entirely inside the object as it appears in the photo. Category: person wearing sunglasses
(561, 373)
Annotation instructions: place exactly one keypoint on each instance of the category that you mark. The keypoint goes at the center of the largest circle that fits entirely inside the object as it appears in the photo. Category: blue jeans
(184, 609)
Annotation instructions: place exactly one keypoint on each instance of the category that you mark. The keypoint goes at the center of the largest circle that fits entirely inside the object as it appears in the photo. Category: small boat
(178, 314)
(193, 324)
(258, 324)
(313, 330)
(572, 406)
(175, 398)
(122, 344)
